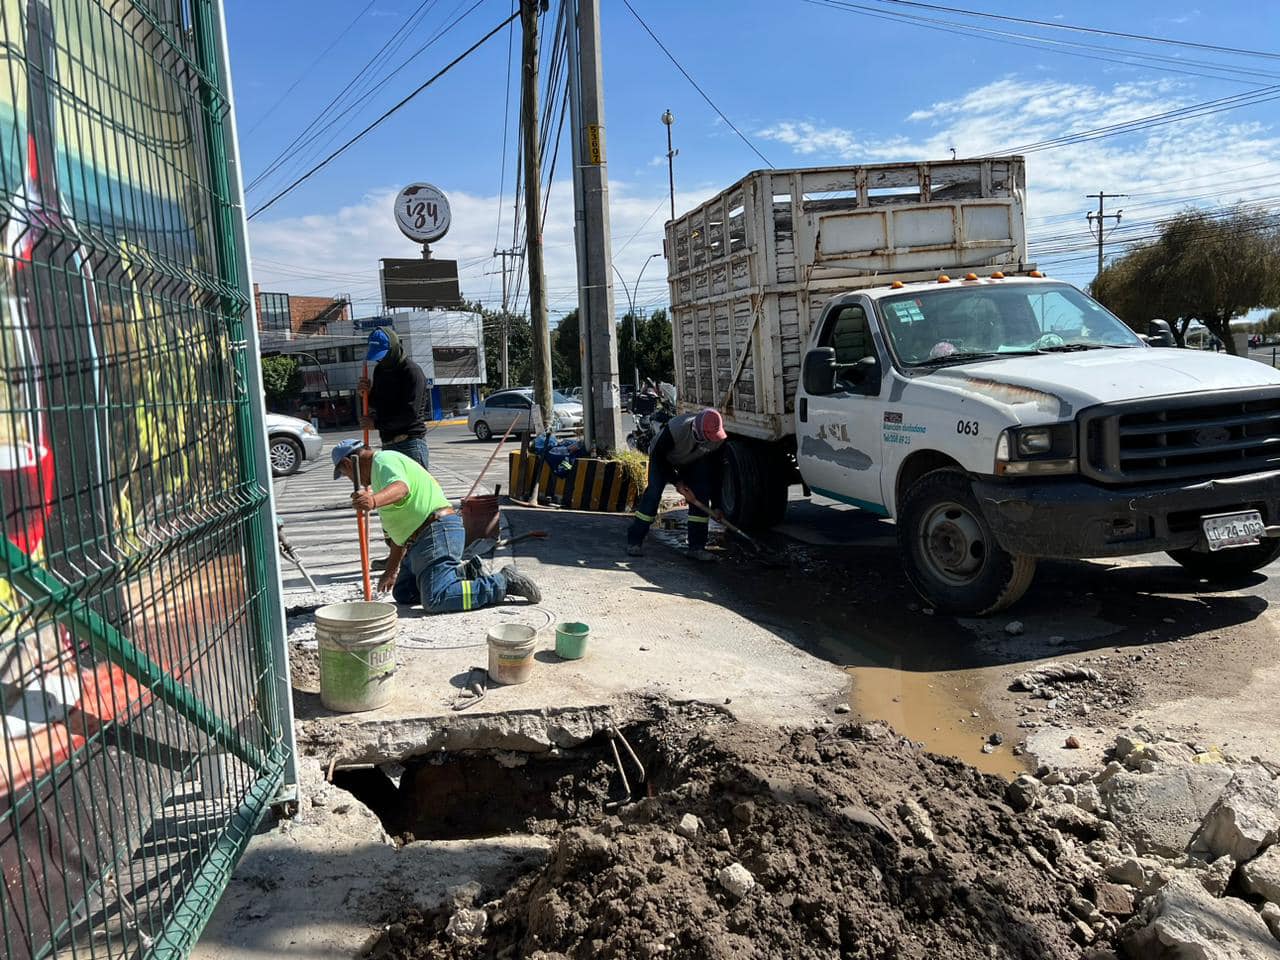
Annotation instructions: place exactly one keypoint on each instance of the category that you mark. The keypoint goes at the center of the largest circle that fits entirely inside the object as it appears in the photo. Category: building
(447, 344)
(282, 316)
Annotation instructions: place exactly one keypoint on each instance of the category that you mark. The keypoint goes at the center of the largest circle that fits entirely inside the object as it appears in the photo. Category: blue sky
(806, 83)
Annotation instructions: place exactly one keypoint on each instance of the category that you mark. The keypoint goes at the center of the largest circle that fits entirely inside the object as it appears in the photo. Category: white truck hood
(1057, 386)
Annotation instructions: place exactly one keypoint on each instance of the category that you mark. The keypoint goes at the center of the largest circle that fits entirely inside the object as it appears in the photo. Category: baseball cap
(344, 449)
(711, 424)
(379, 345)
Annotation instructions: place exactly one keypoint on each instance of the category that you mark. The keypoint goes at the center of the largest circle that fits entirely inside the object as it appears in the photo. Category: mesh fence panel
(142, 736)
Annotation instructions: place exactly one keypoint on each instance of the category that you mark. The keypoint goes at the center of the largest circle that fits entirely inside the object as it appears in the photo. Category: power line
(342, 149)
(1079, 29)
(741, 136)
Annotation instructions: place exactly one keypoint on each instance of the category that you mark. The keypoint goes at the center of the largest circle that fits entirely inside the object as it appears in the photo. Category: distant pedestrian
(425, 566)
(689, 453)
(399, 397)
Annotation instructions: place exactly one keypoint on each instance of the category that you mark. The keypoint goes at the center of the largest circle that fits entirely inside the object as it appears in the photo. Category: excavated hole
(486, 793)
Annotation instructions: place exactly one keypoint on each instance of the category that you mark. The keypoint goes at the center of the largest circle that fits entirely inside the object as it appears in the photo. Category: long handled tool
(493, 456)
(762, 553)
(362, 519)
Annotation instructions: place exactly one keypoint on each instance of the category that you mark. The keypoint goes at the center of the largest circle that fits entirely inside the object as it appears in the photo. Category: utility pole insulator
(1101, 217)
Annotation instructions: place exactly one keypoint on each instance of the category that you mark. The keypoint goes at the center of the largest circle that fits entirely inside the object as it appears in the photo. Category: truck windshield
(976, 322)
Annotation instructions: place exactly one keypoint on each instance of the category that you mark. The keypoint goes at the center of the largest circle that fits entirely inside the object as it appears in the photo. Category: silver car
(289, 442)
(495, 413)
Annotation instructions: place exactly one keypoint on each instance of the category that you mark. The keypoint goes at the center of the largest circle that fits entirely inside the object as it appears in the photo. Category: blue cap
(379, 345)
(344, 449)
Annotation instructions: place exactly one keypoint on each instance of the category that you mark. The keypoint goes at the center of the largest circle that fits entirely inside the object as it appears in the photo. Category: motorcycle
(651, 408)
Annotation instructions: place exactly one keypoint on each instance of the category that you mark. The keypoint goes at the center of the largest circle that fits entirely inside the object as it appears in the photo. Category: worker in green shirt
(427, 537)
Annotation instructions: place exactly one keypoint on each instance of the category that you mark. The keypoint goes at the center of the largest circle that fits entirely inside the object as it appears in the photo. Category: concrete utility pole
(1102, 218)
(506, 316)
(529, 10)
(591, 189)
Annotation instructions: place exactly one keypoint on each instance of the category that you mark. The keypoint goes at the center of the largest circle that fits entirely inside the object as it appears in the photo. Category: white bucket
(511, 653)
(357, 644)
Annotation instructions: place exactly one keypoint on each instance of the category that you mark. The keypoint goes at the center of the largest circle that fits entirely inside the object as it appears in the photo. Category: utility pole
(595, 255)
(529, 10)
(506, 315)
(1102, 218)
(668, 118)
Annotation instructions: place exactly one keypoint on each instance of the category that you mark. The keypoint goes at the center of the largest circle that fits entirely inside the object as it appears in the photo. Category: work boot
(700, 554)
(518, 585)
(635, 550)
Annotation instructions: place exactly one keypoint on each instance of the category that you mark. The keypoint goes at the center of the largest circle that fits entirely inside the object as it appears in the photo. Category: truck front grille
(1177, 438)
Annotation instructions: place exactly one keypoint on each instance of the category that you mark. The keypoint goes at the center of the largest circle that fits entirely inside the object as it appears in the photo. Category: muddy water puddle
(936, 710)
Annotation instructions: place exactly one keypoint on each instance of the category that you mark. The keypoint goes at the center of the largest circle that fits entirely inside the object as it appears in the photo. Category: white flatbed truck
(876, 334)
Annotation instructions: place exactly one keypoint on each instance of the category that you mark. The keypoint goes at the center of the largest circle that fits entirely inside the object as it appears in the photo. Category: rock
(667, 847)
(1127, 871)
(1087, 797)
(1053, 778)
(1109, 771)
(1022, 793)
(723, 839)
(1160, 812)
(1072, 743)
(688, 826)
(467, 923)
(1262, 876)
(917, 821)
(842, 708)
(988, 748)
(1014, 628)
(1083, 909)
(996, 739)
(1052, 673)
(1183, 920)
(465, 893)
(744, 812)
(1112, 900)
(1244, 820)
(1270, 914)
(736, 880)
(1217, 876)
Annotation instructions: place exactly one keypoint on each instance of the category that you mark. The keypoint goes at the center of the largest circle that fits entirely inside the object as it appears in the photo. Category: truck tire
(754, 489)
(949, 552)
(1227, 566)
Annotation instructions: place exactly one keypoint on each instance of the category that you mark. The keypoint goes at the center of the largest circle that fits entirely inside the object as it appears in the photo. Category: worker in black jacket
(399, 397)
(689, 452)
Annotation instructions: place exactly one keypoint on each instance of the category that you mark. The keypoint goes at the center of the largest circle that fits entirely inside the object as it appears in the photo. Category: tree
(519, 349)
(652, 348)
(281, 381)
(1202, 267)
(566, 352)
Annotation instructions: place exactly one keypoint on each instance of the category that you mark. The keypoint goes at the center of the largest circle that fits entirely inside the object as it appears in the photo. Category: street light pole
(632, 294)
(668, 118)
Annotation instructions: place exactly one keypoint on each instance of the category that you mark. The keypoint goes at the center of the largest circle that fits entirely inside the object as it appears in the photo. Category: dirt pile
(841, 841)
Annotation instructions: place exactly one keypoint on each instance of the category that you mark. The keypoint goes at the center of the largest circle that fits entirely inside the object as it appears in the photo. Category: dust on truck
(876, 334)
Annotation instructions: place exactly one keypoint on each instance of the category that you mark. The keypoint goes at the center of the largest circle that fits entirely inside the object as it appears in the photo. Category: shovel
(770, 558)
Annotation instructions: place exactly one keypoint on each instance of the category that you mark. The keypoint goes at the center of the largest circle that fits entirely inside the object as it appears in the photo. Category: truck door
(839, 430)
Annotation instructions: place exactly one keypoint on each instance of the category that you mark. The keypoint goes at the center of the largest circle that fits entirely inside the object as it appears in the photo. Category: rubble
(1270, 914)
(1183, 920)
(1244, 820)
(1262, 876)
(736, 880)
(688, 826)
(1051, 674)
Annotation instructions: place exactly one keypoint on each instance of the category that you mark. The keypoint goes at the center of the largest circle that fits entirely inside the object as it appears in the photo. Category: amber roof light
(997, 275)
(1035, 273)
(971, 276)
(943, 278)
(896, 285)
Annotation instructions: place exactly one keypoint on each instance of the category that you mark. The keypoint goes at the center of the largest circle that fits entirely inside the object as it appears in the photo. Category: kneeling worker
(427, 537)
(689, 453)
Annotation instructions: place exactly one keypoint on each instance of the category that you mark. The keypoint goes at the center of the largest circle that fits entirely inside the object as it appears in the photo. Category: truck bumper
(1073, 519)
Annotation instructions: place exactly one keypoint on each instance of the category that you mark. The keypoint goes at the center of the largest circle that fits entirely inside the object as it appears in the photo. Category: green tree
(281, 381)
(519, 348)
(651, 350)
(1202, 267)
(566, 352)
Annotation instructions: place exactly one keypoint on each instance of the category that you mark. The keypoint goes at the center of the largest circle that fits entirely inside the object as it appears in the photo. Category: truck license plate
(1233, 529)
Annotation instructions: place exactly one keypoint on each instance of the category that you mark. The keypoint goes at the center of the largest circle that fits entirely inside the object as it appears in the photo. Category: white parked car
(290, 441)
(495, 413)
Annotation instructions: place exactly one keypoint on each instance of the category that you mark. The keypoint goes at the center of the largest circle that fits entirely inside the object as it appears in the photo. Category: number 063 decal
(967, 427)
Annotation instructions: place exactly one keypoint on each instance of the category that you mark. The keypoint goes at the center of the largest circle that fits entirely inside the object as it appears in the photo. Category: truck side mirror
(866, 375)
(819, 372)
(1161, 334)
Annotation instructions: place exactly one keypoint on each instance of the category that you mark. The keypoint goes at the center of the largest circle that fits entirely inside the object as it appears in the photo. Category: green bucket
(571, 640)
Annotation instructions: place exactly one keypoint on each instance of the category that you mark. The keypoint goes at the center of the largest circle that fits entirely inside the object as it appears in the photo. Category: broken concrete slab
(1261, 876)
(1183, 922)
(1160, 812)
(1245, 818)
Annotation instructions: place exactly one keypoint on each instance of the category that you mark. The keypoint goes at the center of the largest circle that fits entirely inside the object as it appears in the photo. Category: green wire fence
(146, 727)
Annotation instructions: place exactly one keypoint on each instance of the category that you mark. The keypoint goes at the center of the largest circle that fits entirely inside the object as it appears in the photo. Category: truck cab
(1002, 419)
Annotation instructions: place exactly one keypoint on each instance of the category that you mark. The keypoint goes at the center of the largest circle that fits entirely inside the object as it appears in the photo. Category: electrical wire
(388, 113)
(702, 93)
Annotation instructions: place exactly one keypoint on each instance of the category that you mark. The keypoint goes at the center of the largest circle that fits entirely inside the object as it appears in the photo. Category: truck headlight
(1037, 451)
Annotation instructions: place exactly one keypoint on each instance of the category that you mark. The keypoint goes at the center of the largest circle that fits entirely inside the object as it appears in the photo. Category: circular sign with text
(422, 213)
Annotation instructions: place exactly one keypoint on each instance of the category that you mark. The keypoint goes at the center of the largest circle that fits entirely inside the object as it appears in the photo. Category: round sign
(422, 213)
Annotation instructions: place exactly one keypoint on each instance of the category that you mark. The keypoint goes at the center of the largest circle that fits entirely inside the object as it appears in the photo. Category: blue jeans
(430, 573)
(697, 477)
(415, 448)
